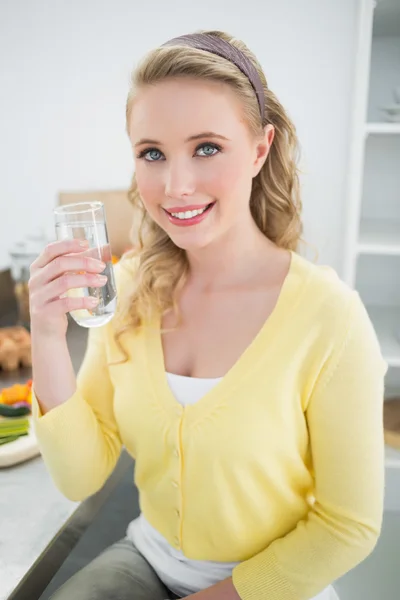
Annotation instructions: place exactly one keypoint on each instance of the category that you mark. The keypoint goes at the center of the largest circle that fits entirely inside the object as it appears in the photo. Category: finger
(64, 265)
(61, 306)
(102, 253)
(56, 249)
(66, 282)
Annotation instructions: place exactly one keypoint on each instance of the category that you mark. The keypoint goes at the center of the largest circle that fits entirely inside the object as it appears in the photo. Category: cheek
(231, 179)
(149, 186)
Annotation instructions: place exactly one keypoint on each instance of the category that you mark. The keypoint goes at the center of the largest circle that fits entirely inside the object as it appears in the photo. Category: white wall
(64, 72)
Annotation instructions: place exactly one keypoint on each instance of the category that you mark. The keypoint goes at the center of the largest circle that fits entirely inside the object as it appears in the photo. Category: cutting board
(20, 450)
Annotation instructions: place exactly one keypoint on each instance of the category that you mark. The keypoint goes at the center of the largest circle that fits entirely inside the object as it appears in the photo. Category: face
(195, 159)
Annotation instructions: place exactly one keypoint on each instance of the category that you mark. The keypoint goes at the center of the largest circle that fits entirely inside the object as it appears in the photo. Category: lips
(188, 215)
(189, 207)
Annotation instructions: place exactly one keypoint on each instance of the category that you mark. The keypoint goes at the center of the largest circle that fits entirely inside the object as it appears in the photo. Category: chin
(190, 243)
(191, 239)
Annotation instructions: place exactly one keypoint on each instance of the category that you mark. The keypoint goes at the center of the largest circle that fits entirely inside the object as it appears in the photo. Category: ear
(262, 148)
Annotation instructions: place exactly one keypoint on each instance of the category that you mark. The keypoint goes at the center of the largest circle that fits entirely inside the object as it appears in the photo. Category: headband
(222, 48)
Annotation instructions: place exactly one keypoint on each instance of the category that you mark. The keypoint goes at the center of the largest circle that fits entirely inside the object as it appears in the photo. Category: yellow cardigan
(280, 466)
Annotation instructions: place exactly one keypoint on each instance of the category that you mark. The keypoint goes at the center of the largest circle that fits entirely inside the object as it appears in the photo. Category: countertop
(32, 510)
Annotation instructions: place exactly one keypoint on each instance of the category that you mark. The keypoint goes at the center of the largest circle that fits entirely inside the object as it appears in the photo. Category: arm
(51, 355)
(79, 438)
(344, 416)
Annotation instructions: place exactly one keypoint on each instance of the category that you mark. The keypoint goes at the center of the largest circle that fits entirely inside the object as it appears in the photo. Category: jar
(22, 255)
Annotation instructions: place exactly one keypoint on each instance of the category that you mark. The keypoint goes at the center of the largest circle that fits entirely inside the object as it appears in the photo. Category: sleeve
(345, 421)
(79, 439)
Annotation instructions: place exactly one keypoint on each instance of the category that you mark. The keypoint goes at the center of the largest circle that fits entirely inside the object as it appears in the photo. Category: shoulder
(335, 311)
(335, 324)
(323, 290)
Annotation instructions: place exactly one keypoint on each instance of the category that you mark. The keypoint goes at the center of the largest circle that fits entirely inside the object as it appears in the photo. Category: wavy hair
(275, 203)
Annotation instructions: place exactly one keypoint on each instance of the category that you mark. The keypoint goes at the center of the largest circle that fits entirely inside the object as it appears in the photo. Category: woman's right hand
(61, 267)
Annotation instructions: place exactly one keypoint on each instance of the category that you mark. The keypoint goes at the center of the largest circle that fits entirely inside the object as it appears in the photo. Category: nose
(180, 180)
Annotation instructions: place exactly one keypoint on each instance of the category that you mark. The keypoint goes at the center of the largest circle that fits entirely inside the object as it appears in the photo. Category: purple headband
(218, 46)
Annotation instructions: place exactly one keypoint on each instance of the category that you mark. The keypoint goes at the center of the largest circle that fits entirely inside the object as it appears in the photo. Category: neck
(232, 260)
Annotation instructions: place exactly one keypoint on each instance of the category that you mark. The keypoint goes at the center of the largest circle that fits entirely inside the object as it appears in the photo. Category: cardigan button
(175, 484)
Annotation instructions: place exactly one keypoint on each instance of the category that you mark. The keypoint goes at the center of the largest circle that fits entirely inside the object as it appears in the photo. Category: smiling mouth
(189, 214)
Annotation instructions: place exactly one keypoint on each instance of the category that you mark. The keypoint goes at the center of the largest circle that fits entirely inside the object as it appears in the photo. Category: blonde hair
(275, 201)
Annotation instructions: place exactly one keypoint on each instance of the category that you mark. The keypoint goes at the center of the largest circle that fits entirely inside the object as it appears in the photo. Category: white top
(188, 390)
(180, 574)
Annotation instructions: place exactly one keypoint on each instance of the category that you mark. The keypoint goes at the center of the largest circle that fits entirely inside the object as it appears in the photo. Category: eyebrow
(198, 136)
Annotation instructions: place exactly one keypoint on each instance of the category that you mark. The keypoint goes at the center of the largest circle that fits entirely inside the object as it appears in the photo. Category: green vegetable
(10, 426)
(10, 438)
(13, 411)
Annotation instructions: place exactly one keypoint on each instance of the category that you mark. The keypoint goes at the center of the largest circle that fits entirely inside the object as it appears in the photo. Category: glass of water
(86, 221)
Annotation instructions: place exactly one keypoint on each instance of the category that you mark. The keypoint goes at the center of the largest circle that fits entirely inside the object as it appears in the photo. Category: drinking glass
(87, 221)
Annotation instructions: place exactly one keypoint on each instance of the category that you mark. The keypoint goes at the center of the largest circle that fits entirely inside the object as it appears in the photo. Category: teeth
(189, 214)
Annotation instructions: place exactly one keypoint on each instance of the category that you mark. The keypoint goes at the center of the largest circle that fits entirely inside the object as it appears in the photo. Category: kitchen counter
(32, 511)
(38, 525)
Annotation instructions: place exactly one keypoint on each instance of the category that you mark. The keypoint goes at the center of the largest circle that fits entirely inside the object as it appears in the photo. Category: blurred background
(65, 70)
(64, 76)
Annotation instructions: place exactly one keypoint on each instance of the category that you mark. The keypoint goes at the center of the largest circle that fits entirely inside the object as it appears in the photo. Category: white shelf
(386, 18)
(382, 128)
(386, 320)
(392, 458)
(379, 237)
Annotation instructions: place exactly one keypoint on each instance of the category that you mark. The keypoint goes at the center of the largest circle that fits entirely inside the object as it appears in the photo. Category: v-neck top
(278, 467)
(258, 350)
(180, 574)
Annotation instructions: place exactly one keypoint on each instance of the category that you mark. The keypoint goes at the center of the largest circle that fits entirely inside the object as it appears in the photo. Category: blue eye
(207, 147)
(154, 155)
(150, 154)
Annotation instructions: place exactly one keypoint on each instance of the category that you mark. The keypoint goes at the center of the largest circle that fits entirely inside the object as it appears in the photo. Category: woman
(246, 382)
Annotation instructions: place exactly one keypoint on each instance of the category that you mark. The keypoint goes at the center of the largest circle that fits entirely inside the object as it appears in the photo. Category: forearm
(79, 437)
(80, 452)
(318, 550)
(53, 373)
(301, 564)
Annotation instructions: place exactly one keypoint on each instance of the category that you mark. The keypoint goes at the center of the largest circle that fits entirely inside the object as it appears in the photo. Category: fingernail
(84, 244)
(92, 301)
(102, 278)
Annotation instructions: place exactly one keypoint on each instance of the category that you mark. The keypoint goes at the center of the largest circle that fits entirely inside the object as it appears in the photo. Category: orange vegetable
(15, 393)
